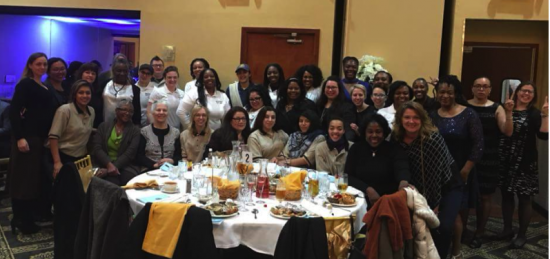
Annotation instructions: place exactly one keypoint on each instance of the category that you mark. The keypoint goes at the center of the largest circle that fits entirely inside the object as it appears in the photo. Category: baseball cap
(146, 67)
(242, 66)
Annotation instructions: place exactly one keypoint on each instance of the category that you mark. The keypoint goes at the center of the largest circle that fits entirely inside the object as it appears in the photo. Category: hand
(102, 172)
(273, 160)
(56, 168)
(112, 170)
(354, 126)
(464, 175)
(23, 146)
(544, 109)
(509, 105)
(165, 160)
(403, 184)
(434, 81)
(372, 195)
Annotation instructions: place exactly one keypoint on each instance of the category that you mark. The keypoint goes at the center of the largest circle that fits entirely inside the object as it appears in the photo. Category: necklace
(116, 91)
(118, 130)
(373, 153)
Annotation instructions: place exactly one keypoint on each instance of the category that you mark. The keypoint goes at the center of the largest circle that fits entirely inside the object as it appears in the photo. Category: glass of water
(324, 183)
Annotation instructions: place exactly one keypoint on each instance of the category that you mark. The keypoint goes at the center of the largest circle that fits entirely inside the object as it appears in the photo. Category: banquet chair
(340, 235)
(84, 167)
(302, 238)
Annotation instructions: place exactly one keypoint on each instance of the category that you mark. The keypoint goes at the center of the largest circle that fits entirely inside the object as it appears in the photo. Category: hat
(242, 66)
(147, 67)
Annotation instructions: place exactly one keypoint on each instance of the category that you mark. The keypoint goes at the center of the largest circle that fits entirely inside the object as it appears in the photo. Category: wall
(407, 34)
(29, 34)
(211, 29)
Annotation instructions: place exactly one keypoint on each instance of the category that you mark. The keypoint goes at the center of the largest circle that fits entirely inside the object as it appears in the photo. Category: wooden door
(497, 61)
(126, 48)
(291, 48)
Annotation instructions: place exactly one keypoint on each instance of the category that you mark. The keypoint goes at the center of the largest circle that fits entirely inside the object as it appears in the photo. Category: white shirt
(112, 94)
(252, 116)
(173, 99)
(217, 105)
(273, 96)
(143, 100)
(190, 85)
(314, 94)
(389, 114)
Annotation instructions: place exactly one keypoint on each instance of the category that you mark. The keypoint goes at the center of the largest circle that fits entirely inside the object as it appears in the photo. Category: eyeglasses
(126, 110)
(523, 91)
(379, 95)
(239, 119)
(145, 73)
(255, 99)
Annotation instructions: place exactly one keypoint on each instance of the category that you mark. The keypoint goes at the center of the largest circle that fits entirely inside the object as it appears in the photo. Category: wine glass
(280, 191)
(251, 184)
(313, 185)
(343, 183)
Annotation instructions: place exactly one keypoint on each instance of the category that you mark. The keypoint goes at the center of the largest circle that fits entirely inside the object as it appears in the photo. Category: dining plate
(223, 216)
(344, 205)
(174, 191)
(286, 217)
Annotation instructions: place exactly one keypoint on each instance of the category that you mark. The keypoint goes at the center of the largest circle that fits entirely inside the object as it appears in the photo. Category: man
(158, 68)
(351, 66)
(238, 92)
(420, 90)
(144, 83)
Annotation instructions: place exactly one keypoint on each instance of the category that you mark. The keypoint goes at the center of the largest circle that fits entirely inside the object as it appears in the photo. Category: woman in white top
(267, 139)
(146, 87)
(274, 79)
(209, 95)
(257, 99)
(194, 139)
(312, 78)
(170, 92)
(196, 67)
(118, 89)
(400, 92)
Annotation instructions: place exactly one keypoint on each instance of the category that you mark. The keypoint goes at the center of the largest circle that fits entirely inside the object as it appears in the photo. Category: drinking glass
(324, 183)
(343, 183)
(280, 191)
(251, 184)
(173, 174)
(313, 184)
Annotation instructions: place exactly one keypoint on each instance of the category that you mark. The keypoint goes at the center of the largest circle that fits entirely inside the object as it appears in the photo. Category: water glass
(324, 183)
(174, 173)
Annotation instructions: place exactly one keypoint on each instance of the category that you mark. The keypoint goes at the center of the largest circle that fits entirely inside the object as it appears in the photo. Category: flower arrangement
(369, 66)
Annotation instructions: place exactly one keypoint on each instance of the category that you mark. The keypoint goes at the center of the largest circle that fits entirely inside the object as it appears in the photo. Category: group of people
(385, 135)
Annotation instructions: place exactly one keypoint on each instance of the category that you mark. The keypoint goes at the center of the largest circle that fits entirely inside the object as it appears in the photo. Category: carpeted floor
(40, 245)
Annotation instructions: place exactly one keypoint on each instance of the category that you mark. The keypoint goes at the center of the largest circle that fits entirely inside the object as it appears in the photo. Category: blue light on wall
(65, 19)
(117, 21)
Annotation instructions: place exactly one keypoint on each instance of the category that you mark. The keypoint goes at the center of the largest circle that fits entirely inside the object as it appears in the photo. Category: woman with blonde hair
(433, 170)
(358, 95)
(194, 139)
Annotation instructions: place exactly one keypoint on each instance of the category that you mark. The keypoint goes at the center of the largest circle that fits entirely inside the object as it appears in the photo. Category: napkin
(293, 181)
(226, 184)
(164, 227)
(152, 183)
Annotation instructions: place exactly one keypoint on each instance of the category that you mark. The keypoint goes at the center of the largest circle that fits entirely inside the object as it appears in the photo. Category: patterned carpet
(40, 245)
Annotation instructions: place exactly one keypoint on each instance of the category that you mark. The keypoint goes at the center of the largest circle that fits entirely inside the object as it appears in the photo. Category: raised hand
(544, 110)
(509, 103)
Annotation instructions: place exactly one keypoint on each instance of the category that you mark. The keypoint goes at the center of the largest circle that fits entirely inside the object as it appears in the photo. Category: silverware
(255, 212)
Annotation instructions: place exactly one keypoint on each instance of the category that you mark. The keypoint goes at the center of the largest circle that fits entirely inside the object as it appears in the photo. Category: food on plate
(287, 211)
(243, 168)
(342, 198)
(228, 208)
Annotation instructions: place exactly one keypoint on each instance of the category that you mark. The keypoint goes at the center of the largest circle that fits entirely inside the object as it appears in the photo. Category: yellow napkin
(225, 184)
(293, 181)
(149, 183)
(164, 227)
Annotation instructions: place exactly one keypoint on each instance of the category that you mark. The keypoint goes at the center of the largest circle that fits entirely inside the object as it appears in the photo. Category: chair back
(339, 236)
(84, 167)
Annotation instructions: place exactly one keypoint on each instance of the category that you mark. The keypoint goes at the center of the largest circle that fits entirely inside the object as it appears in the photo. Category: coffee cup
(170, 186)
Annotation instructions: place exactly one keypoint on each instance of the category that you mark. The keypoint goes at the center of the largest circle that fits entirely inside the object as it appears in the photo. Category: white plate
(175, 191)
(344, 205)
(223, 216)
(285, 217)
(157, 173)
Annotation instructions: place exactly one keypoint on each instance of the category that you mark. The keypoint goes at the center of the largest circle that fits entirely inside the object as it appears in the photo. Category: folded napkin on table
(293, 181)
(146, 184)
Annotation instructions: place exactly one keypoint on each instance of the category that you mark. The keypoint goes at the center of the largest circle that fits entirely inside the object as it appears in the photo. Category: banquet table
(259, 234)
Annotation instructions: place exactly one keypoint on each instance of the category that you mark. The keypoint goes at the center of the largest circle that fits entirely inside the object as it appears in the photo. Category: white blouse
(217, 105)
(389, 114)
(112, 94)
(190, 85)
(173, 99)
(314, 94)
(143, 100)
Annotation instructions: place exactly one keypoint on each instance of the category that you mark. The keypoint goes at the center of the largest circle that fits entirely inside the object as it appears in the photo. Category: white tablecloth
(259, 234)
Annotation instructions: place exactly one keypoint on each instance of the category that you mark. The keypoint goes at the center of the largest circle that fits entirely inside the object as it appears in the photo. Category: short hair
(76, 86)
(193, 129)
(381, 88)
(374, 118)
(426, 125)
(348, 58)
(51, 61)
(259, 122)
(281, 81)
(123, 102)
(395, 86)
(157, 102)
(170, 69)
(335, 118)
(202, 60)
(28, 72)
(90, 66)
(390, 77)
(314, 70)
(523, 84)
(457, 86)
(480, 77)
(201, 87)
(360, 87)
(422, 81)
(124, 63)
(156, 58)
(282, 93)
(262, 93)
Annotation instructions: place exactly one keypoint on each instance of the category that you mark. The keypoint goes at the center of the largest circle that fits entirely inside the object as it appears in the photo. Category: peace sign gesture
(509, 104)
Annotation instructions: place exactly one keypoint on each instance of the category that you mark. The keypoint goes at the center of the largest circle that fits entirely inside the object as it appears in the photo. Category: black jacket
(196, 239)
(302, 239)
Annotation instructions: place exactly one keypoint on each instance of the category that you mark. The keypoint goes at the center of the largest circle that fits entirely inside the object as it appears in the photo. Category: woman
(362, 110)
(194, 139)
(57, 70)
(330, 156)
(518, 161)
(274, 78)
(159, 142)
(300, 148)
(195, 69)
(71, 127)
(420, 89)
(376, 166)
(169, 92)
(495, 121)
(207, 94)
(89, 72)
(257, 99)
(235, 126)
(70, 77)
(378, 97)
(267, 139)
(433, 170)
(311, 77)
(399, 93)
(461, 128)
(31, 116)
(146, 87)
(291, 103)
(115, 146)
(120, 88)
(333, 103)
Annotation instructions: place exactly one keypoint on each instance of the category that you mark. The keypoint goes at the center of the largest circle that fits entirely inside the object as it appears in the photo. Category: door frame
(266, 30)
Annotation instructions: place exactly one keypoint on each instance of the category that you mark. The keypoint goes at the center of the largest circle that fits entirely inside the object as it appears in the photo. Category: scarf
(299, 142)
(342, 143)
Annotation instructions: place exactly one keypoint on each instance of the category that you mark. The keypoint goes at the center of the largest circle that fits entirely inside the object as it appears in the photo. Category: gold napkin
(164, 227)
(147, 184)
(225, 184)
(293, 181)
